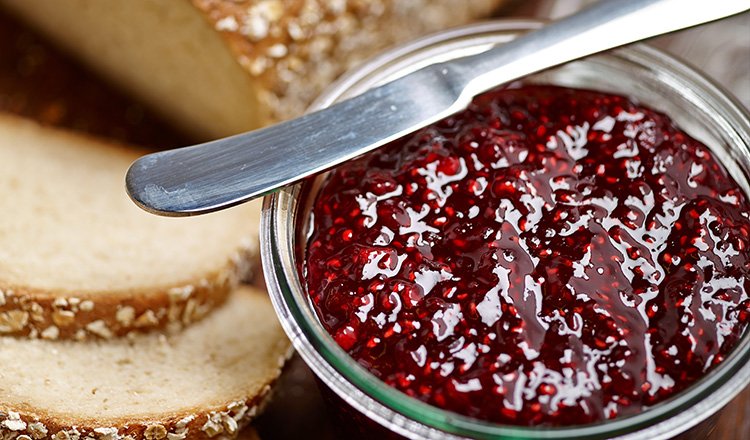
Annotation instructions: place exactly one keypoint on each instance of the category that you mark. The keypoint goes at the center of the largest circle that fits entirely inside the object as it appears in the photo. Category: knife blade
(222, 173)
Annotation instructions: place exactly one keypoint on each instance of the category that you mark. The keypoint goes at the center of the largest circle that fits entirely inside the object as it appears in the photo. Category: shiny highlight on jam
(547, 257)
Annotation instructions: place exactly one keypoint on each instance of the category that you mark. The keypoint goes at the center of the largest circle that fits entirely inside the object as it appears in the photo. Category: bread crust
(53, 315)
(295, 48)
(222, 423)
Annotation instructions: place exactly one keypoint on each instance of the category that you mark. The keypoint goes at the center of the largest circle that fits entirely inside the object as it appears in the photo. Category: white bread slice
(205, 381)
(220, 67)
(79, 259)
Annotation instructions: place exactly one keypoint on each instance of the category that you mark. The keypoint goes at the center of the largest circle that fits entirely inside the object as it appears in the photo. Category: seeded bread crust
(296, 48)
(224, 424)
(48, 315)
(207, 381)
(79, 260)
(220, 67)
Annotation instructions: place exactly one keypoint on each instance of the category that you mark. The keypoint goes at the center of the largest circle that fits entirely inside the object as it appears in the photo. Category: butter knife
(222, 173)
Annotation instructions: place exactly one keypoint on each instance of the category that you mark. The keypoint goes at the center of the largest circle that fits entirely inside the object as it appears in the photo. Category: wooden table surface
(297, 412)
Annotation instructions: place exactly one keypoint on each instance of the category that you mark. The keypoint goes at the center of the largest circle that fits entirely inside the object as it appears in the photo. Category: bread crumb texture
(298, 47)
(205, 382)
(78, 259)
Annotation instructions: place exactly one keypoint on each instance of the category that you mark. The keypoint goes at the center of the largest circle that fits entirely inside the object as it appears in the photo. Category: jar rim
(415, 419)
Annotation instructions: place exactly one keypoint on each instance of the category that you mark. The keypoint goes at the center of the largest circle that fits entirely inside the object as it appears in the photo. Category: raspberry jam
(549, 256)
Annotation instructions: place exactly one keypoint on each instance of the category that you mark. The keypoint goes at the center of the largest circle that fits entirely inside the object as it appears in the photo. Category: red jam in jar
(549, 256)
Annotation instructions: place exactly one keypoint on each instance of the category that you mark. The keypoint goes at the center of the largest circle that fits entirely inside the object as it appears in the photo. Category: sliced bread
(219, 67)
(79, 259)
(205, 381)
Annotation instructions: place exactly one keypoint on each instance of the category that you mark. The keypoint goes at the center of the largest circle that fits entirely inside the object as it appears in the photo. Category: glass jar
(694, 103)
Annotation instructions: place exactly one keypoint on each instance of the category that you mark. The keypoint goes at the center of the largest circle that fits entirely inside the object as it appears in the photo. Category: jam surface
(549, 256)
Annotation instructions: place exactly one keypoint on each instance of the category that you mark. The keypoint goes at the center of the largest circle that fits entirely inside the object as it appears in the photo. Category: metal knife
(222, 173)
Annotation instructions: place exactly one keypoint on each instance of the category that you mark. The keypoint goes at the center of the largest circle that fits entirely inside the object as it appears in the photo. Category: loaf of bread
(220, 67)
(78, 259)
(206, 381)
